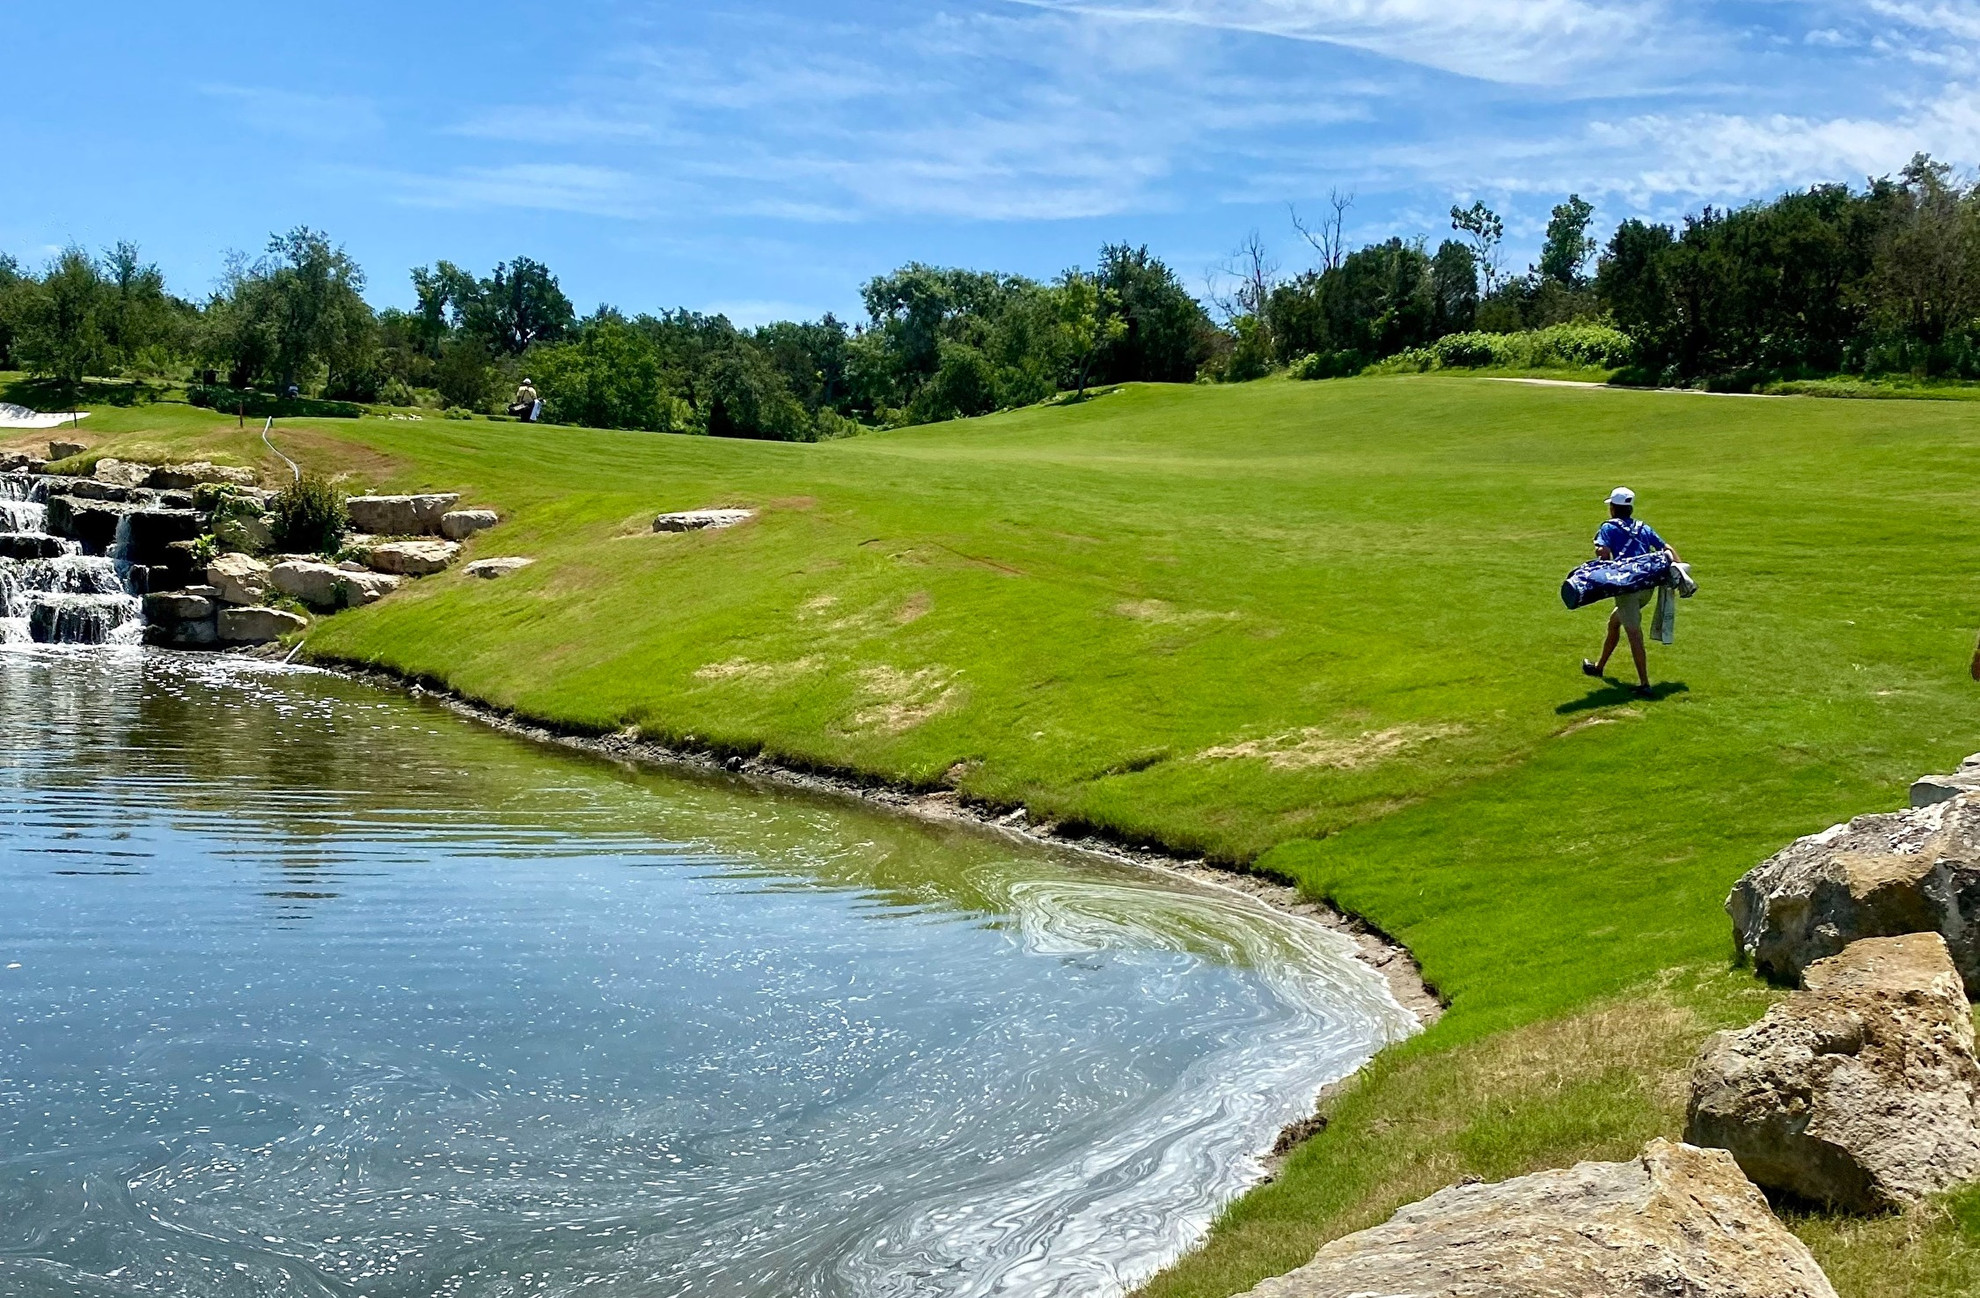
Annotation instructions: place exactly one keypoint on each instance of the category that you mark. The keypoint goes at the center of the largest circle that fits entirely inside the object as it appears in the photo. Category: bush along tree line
(937, 343)
(1831, 280)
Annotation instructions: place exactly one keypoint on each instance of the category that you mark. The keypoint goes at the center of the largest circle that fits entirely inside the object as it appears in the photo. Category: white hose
(293, 466)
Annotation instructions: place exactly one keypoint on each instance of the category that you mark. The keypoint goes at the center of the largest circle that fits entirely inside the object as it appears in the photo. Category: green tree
(515, 308)
(609, 376)
(746, 397)
(61, 327)
(1485, 231)
(1569, 245)
(1088, 319)
(1168, 336)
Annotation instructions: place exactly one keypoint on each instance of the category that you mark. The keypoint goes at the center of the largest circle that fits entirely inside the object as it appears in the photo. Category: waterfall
(52, 593)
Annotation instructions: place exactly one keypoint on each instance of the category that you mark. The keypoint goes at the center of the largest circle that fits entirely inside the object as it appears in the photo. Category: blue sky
(764, 157)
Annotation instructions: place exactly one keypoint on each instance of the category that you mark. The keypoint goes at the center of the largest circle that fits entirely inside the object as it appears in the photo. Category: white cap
(1622, 496)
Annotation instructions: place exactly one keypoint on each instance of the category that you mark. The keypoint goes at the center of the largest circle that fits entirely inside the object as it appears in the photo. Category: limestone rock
(121, 473)
(151, 529)
(251, 533)
(1675, 1221)
(239, 579)
(197, 634)
(182, 477)
(694, 520)
(1915, 871)
(460, 524)
(62, 450)
(29, 545)
(326, 586)
(400, 515)
(91, 523)
(411, 558)
(257, 625)
(490, 569)
(1860, 1092)
(177, 606)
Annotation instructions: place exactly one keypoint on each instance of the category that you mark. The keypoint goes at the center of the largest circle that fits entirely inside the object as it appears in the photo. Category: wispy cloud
(552, 187)
(1518, 42)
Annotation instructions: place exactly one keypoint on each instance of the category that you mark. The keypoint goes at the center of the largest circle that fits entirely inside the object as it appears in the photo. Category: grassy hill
(1308, 626)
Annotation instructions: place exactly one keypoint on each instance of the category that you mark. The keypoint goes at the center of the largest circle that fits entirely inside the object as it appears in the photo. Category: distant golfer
(527, 406)
(1625, 536)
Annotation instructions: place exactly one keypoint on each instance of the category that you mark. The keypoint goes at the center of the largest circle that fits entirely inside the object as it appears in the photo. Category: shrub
(1326, 365)
(310, 516)
(1579, 346)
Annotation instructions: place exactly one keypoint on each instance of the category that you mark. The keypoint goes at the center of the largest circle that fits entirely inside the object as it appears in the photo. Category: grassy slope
(1350, 583)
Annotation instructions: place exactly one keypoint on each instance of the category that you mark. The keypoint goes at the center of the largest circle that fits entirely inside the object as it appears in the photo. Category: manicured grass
(1308, 625)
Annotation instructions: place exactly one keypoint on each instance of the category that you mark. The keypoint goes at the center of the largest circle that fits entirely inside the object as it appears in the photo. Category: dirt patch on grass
(758, 673)
(1161, 611)
(915, 608)
(1312, 746)
(898, 700)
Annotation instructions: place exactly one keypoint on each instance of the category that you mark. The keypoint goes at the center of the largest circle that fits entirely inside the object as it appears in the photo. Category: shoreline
(1374, 948)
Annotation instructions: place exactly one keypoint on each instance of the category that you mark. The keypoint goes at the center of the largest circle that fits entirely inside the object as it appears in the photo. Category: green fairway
(1313, 626)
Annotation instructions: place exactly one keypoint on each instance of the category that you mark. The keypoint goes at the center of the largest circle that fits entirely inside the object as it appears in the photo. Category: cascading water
(51, 592)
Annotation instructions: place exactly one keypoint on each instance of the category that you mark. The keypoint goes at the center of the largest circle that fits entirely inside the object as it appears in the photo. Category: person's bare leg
(1609, 645)
(1636, 652)
(1975, 669)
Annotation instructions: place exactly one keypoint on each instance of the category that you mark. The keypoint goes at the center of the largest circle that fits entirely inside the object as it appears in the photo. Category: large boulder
(411, 558)
(183, 477)
(152, 529)
(460, 524)
(1860, 1092)
(502, 566)
(1929, 789)
(62, 449)
(121, 473)
(257, 625)
(30, 545)
(239, 579)
(1915, 871)
(327, 586)
(400, 515)
(696, 520)
(178, 606)
(1677, 1221)
(91, 523)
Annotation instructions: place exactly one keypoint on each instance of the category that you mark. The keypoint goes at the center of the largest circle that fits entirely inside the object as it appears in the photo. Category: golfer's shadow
(1612, 693)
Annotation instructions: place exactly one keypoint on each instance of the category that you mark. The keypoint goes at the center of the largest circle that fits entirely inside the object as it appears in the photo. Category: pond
(312, 988)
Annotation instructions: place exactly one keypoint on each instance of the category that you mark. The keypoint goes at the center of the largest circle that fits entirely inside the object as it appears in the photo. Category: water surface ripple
(312, 989)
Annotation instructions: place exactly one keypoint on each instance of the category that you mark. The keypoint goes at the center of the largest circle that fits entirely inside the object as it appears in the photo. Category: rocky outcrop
(239, 580)
(1944, 788)
(695, 520)
(184, 477)
(327, 586)
(29, 545)
(91, 523)
(257, 625)
(121, 473)
(1861, 1092)
(1915, 871)
(62, 450)
(411, 558)
(152, 529)
(179, 606)
(460, 524)
(400, 515)
(1677, 1220)
(490, 569)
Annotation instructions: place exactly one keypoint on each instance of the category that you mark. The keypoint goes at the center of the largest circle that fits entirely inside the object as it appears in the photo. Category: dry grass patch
(1303, 749)
(1932, 1251)
(756, 672)
(900, 700)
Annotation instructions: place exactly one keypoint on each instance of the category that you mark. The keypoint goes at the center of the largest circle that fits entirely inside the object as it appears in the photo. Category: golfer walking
(1625, 536)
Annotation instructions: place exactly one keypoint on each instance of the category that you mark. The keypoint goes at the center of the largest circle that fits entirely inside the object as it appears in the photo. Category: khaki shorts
(1629, 608)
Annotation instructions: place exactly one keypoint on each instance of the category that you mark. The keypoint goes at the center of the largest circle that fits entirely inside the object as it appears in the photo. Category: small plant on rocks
(310, 517)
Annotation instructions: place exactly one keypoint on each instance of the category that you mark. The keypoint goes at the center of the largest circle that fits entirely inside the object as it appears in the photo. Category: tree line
(937, 343)
(1882, 279)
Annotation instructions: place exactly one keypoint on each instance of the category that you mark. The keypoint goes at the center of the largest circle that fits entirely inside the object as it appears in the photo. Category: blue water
(309, 988)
